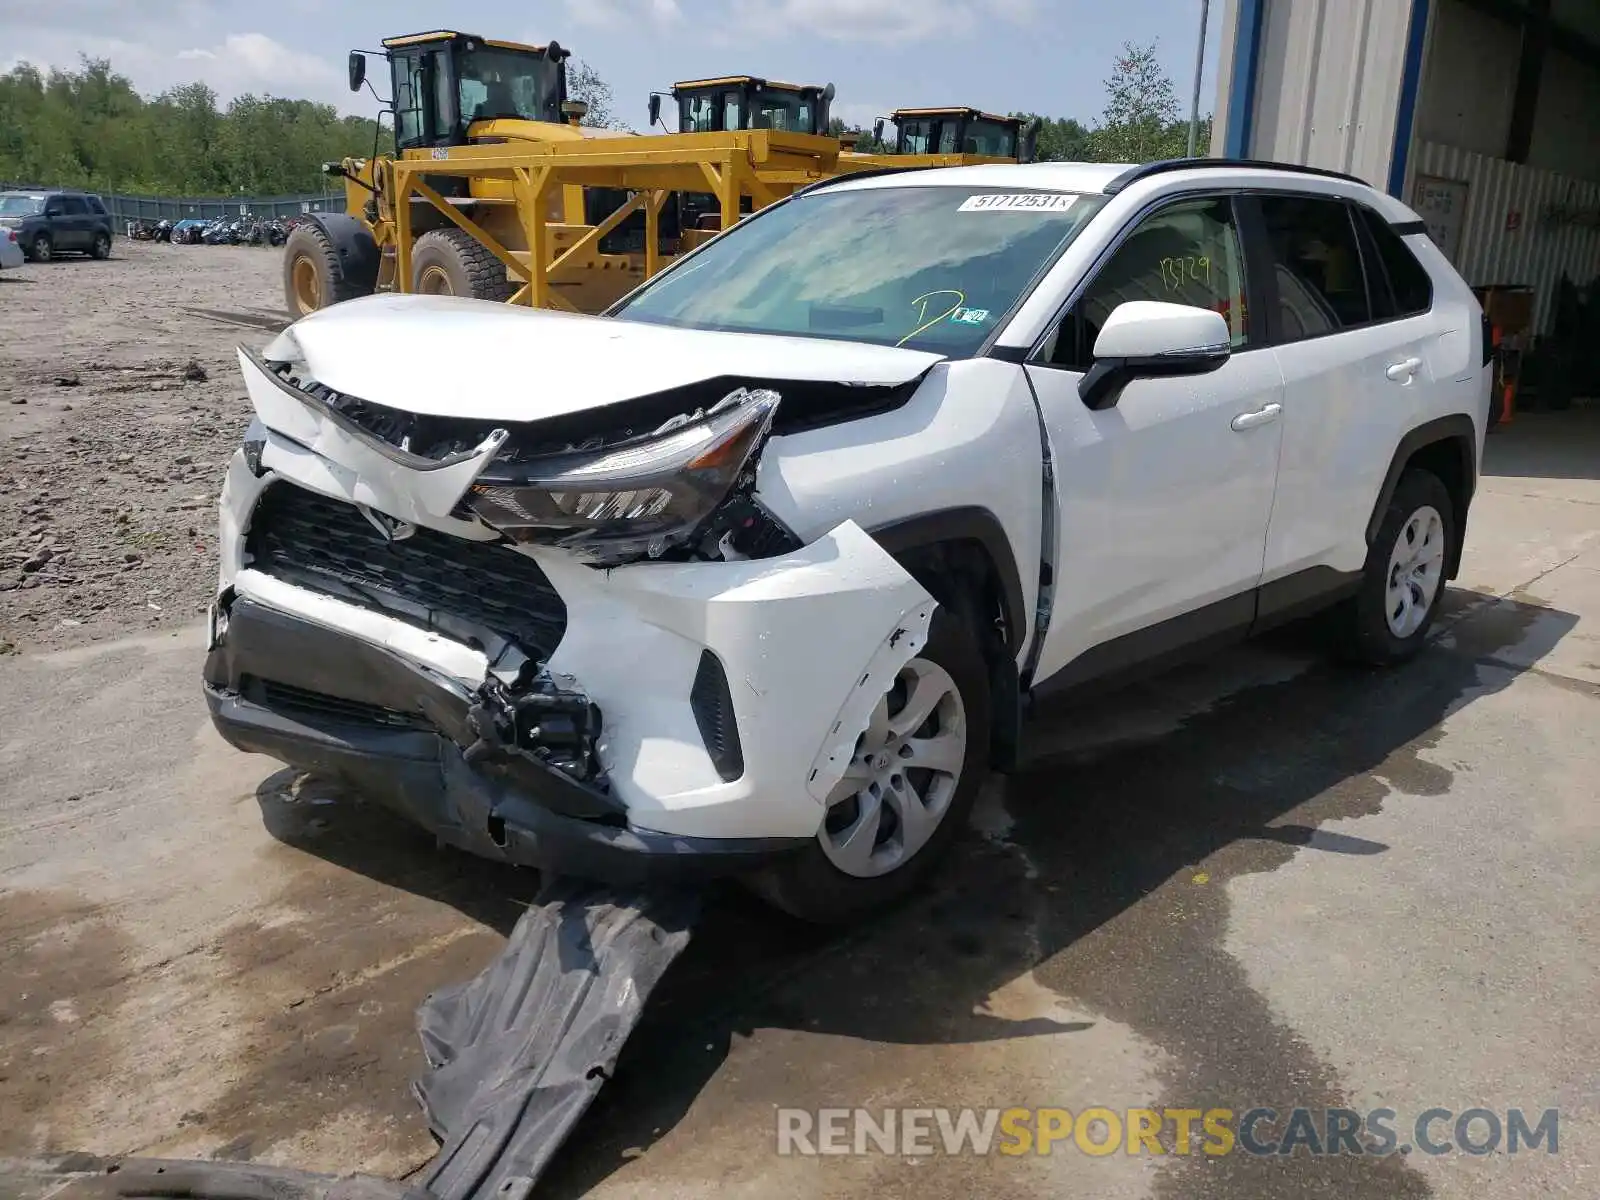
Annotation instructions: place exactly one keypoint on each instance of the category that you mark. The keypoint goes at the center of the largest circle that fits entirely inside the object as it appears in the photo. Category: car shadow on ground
(1098, 871)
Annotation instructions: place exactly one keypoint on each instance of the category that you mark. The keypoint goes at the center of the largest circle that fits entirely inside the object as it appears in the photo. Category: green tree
(1141, 121)
(584, 83)
(866, 143)
(89, 128)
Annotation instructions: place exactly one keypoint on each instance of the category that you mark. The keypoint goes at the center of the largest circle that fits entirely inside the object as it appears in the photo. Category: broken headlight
(634, 498)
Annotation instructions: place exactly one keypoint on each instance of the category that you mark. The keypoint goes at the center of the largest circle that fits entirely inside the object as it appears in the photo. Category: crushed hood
(452, 357)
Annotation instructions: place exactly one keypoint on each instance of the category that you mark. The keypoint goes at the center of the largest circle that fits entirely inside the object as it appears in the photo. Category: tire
(451, 262)
(313, 275)
(40, 249)
(811, 885)
(102, 246)
(1387, 621)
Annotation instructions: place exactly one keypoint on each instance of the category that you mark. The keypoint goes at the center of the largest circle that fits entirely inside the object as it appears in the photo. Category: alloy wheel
(902, 776)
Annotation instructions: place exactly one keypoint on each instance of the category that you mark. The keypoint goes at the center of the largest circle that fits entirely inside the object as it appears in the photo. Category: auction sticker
(1019, 202)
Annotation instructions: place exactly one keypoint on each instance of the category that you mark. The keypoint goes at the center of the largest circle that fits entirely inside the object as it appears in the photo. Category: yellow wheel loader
(497, 191)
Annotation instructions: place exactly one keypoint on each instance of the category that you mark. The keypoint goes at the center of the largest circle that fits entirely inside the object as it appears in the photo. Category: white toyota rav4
(751, 574)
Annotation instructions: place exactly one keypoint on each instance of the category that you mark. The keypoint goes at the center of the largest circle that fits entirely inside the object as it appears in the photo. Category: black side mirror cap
(655, 108)
(357, 69)
(1102, 386)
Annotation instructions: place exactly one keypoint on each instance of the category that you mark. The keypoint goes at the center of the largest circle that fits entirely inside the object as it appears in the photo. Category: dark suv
(48, 222)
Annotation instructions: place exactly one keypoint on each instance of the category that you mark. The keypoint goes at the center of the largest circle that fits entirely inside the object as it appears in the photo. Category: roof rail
(868, 173)
(1189, 164)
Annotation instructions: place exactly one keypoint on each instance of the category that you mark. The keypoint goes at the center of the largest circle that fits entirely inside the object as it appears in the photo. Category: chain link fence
(126, 208)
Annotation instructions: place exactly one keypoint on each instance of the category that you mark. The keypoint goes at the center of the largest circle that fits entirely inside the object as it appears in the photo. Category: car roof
(1116, 178)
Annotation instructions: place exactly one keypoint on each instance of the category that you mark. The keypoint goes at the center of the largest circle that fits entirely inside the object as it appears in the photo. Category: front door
(1163, 500)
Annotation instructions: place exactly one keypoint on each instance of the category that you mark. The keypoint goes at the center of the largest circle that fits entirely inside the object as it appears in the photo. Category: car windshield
(930, 268)
(21, 206)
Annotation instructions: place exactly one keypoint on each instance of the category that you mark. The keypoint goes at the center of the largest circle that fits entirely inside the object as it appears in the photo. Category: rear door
(1352, 346)
(74, 225)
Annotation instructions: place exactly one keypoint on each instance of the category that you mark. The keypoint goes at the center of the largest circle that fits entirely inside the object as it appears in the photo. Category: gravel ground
(120, 402)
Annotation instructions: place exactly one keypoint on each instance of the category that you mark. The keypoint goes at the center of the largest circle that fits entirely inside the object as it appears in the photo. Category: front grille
(281, 697)
(430, 579)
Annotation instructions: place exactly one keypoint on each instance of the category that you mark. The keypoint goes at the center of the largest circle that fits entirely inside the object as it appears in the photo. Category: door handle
(1401, 372)
(1262, 416)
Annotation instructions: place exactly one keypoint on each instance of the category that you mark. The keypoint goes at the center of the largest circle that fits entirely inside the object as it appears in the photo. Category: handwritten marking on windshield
(921, 305)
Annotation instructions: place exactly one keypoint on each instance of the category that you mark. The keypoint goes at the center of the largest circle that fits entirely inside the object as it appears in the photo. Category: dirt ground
(1260, 880)
(120, 402)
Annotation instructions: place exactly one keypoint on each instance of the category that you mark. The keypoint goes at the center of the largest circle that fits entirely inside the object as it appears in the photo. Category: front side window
(930, 268)
(1185, 253)
(698, 114)
(1316, 261)
(916, 137)
(508, 83)
(408, 99)
(783, 110)
(989, 138)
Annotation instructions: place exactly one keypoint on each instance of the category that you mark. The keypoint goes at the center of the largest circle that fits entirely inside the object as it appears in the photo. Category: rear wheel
(313, 275)
(907, 792)
(1388, 620)
(451, 262)
(102, 245)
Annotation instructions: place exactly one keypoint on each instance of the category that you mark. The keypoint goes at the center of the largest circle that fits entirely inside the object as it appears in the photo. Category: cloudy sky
(1046, 56)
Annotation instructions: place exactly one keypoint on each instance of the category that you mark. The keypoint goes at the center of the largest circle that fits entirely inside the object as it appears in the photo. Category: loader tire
(313, 274)
(451, 262)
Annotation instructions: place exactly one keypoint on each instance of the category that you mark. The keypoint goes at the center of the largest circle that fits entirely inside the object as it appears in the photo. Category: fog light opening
(497, 831)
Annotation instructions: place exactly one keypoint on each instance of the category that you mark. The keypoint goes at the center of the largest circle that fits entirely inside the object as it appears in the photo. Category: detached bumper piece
(507, 773)
(519, 1053)
(515, 1057)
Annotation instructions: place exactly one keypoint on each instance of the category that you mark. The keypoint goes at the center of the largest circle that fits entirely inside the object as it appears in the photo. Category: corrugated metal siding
(1542, 248)
(1330, 84)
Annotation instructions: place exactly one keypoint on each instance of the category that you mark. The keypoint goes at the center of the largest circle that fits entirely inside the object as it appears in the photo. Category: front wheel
(451, 262)
(313, 273)
(909, 787)
(40, 248)
(1388, 620)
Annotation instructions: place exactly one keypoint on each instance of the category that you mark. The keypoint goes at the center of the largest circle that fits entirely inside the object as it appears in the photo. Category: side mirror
(1028, 143)
(1150, 339)
(655, 108)
(877, 131)
(357, 69)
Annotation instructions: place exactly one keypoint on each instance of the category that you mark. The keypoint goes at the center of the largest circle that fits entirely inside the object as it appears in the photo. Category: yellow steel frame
(765, 165)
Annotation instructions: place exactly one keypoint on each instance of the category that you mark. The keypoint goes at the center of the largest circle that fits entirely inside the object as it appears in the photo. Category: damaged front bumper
(663, 719)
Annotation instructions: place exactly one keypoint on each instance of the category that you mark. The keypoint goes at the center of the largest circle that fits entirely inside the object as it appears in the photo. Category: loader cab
(745, 102)
(955, 131)
(445, 81)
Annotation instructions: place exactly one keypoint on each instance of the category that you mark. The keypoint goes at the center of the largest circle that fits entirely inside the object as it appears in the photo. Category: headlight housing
(634, 499)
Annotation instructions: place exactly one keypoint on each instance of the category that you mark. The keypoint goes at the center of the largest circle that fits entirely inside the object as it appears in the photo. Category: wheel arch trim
(1456, 429)
(353, 242)
(965, 524)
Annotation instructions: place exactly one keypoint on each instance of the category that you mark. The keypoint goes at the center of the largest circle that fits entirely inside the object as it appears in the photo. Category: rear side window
(73, 206)
(1316, 262)
(96, 207)
(1401, 286)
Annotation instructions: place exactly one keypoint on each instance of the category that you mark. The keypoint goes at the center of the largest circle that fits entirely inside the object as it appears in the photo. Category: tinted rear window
(1409, 288)
(1316, 261)
(73, 206)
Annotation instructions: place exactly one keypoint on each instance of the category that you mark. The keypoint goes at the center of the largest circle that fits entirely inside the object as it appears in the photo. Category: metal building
(1483, 115)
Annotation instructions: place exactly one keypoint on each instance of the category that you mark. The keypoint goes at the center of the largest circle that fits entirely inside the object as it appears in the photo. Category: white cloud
(621, 14)
(155, 57)
(886, 21)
